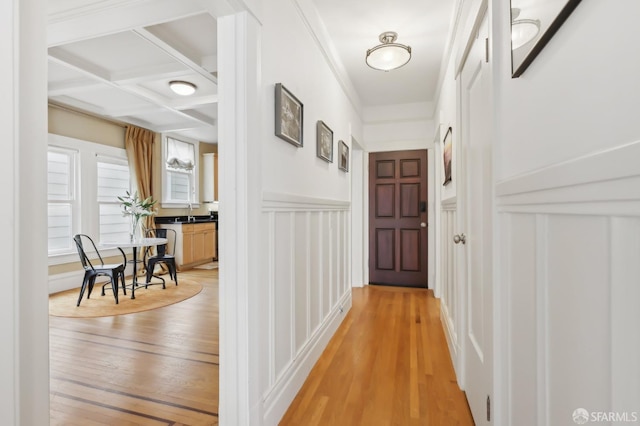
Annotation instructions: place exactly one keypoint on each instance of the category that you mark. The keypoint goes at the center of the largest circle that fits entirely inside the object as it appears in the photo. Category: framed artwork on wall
(324, 138)
(447, 153)
(343, 156)
(289, 116)
(533, 23)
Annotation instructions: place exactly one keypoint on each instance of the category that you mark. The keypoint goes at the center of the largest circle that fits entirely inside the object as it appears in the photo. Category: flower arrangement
(136, 208)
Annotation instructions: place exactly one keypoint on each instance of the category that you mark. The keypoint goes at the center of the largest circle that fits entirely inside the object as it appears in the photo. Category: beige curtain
(139, 146)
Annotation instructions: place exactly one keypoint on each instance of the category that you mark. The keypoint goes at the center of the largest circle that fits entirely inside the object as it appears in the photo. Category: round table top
(141, 242)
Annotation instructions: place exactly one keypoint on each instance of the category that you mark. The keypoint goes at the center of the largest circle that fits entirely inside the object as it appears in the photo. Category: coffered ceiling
(115, 58)
(121, 68)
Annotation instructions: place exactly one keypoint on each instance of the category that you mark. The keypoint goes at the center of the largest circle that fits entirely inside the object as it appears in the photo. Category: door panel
(476, 220)
(385, 255)
(397, 218)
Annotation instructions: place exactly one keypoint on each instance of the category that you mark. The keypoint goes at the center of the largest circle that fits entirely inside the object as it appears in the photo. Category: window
(113, 181)
(180, 188)
(61, 195)
(84, 181)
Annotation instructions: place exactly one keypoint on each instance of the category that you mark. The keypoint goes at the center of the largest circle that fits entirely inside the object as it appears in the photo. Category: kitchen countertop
(163, 220)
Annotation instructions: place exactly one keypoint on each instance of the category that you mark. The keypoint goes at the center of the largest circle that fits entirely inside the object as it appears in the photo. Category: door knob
(461, 238)
(423, 225)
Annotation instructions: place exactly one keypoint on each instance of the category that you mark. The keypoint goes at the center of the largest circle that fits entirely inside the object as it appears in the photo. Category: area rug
(63, 304)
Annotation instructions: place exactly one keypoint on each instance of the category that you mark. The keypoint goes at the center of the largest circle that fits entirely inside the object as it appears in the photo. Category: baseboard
(279, 398)
(451, 338)
(73, 279)
(66, 281)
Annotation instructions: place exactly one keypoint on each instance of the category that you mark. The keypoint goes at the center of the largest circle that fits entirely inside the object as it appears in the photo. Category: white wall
(292, 57)
(24, 394)
(568, 164)
(398, 127)
(305, 212)
(447, 117)
(579, 96)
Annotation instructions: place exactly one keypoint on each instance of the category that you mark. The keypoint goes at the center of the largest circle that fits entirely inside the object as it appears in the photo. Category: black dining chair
(114, 271)
(165, 253)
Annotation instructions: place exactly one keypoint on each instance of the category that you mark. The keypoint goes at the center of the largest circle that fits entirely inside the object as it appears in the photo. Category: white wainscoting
(450, 292)
(307, 267)
(569, 289)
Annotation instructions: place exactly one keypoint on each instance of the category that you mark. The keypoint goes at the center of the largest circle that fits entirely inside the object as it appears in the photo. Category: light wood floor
(158, 367)
(388, 364)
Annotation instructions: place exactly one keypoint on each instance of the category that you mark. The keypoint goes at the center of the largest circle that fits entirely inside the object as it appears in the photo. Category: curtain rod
(88, 114)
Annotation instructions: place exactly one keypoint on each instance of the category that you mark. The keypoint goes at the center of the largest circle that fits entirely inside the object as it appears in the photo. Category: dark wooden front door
(398, 218)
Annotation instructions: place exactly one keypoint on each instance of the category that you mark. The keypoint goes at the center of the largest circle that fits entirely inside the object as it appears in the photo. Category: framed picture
(289, 114)
(343, 156)
(325, 142)
(447, 153)
(533, 23)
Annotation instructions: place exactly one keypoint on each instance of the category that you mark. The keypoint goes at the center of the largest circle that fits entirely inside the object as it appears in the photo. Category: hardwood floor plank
(148, 368)
(388, 364)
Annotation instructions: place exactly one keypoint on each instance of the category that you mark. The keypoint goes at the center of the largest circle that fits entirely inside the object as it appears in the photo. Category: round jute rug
(63, 304)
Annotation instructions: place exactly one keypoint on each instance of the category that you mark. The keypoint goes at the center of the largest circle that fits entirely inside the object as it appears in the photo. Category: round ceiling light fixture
(182, 88)
(522, 30)
(388, 55)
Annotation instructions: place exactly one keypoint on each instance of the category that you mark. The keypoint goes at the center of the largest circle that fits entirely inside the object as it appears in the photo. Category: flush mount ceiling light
(522, 30)
(183, 88)
(388, 55)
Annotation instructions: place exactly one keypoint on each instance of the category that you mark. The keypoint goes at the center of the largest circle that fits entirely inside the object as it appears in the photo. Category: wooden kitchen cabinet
(195, 243)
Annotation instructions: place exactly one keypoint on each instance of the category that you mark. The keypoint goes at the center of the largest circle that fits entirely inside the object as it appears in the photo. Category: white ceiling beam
(78, 64)
(190, 62)
(72, 86)
(134, 110)
(193, 101)
(178, 127)
(197, 116)
(142, 74)
(115, 16)
(80, 105)
(210, 63)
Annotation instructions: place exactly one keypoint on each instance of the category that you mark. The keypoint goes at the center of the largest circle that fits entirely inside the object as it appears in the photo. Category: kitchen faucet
(190, 217)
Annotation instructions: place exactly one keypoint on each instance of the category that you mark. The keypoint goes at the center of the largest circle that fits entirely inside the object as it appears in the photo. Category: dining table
(134, 245)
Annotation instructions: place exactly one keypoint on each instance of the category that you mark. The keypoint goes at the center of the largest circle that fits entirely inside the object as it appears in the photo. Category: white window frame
(110, 159)
(86, 219)
(167, 202)
(74, 199)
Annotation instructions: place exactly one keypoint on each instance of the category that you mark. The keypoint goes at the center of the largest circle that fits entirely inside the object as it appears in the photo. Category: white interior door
(476, 218)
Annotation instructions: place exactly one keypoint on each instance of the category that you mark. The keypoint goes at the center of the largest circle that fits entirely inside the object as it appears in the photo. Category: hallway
(388, 364)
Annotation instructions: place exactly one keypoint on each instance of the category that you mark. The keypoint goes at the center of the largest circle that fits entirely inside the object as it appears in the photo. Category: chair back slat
(81, 241)
(161, 250)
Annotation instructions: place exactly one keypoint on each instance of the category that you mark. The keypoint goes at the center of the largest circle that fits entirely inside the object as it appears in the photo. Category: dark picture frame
(324, 140)
(289, 116)
(343, 156)
(447, 155)
(548, 16)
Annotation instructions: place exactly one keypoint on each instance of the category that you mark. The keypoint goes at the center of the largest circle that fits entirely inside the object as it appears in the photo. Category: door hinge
(488, 408)
(486, 50)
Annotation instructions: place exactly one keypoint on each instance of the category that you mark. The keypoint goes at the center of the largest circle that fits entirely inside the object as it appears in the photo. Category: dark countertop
(183, 219)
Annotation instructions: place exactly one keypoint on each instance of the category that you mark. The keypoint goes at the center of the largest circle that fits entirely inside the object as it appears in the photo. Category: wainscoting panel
(521, 321)
(569, 289)
(315, 271)
(283, 314)
(309, 294)
(450, 298)
(301, 280)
